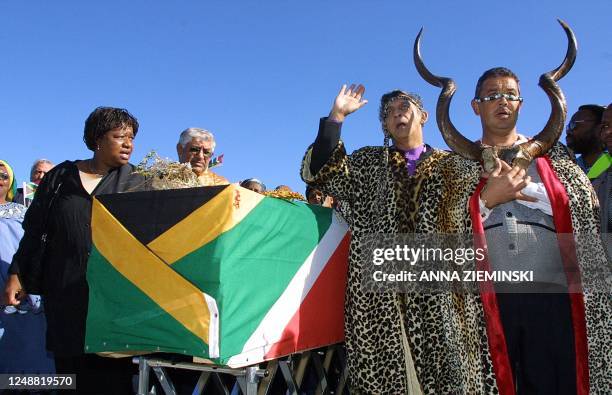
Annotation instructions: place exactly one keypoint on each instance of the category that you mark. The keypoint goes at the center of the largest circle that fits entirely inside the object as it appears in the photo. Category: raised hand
(505, 184)
(328, 202)
(348, 101)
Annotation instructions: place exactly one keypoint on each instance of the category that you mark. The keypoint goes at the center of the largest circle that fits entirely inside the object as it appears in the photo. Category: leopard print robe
(379, 357)
(448, 333)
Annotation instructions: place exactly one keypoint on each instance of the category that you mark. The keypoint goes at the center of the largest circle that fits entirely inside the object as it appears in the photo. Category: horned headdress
(522, 154)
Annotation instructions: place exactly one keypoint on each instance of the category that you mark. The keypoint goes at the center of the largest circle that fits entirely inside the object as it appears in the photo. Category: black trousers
(540, 340)
(98, 375)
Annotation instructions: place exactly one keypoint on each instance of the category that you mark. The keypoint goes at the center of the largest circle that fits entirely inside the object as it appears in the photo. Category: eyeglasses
(4, 176)
(402, 107)
(196, 150)
(497, 96)
(574, 124)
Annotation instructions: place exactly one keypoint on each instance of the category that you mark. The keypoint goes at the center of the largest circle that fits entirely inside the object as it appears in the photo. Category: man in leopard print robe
(375, 182)
(470, 352)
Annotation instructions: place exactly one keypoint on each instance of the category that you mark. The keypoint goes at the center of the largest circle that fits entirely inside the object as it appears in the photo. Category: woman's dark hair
(105, 119)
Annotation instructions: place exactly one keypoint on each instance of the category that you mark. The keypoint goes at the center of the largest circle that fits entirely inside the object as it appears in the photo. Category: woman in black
(61, 214)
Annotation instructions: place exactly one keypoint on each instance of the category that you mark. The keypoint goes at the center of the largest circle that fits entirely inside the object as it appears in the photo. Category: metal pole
(164, 380)
(143, 375)
(252, 379)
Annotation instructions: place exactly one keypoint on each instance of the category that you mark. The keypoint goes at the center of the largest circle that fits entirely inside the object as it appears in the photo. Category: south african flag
(220, 273)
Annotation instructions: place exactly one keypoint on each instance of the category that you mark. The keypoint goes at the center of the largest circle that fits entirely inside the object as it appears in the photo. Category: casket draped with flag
(220, 273)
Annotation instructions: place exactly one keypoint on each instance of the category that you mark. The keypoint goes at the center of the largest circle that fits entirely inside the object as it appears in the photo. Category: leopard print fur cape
(453, 338)
(379, 357)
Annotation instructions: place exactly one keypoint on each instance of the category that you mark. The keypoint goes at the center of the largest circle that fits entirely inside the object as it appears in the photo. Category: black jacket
(63, 266)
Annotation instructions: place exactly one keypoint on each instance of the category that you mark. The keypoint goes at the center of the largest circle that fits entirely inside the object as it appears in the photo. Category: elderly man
(37, 172)
(583, 138)
(39, 169)
(542, 336)
(196, 147)
(374, 183)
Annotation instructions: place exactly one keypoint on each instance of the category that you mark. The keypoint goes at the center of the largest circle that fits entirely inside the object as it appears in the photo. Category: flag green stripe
(122, 318)
(283, 234)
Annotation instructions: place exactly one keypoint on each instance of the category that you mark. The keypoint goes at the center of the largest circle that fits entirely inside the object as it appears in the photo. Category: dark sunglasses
(574, 124)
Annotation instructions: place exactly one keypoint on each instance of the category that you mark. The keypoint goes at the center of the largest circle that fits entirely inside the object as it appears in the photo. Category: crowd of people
(516, 337)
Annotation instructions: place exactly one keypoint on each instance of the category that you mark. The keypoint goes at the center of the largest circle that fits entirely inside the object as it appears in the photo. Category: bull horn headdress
(521, 154)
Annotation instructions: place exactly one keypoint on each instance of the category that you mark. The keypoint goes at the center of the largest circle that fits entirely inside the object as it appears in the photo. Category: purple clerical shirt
(412, 155)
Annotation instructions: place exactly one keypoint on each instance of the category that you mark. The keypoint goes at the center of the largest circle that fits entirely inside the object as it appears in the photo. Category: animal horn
(453, 138)
(551, 132)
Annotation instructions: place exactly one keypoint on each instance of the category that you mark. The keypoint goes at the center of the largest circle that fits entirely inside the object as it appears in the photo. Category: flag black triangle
(146, 215)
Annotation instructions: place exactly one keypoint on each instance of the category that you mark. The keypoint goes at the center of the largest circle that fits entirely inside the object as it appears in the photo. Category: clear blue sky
(259, 74)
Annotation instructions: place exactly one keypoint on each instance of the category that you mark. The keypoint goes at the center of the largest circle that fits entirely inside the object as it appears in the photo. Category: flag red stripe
(323, 307)
(563, 222)
(495, 330)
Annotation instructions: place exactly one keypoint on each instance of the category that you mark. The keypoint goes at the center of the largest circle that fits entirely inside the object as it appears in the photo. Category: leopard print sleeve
(334, 178)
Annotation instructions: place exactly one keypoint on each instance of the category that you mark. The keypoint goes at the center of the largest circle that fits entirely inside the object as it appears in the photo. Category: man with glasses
(537, 326)
(542, 335)
(583, 138)
(39, 169)
(374, 184)
(196, 147)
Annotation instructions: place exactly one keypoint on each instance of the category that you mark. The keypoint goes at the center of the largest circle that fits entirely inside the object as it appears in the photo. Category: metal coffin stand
(320, 371)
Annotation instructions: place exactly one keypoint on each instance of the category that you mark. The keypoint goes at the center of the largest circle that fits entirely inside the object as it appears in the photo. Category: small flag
(29, 189)
(216, 161)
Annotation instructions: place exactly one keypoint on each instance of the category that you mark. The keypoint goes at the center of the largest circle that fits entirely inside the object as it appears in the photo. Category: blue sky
(260, 74)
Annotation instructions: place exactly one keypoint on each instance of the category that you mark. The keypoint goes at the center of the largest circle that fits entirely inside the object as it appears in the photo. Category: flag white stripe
(213, 326)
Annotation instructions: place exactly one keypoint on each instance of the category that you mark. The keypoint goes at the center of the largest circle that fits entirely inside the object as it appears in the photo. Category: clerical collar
(412, 155)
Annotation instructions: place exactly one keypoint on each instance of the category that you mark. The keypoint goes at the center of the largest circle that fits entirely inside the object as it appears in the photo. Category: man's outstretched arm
(347, 101)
